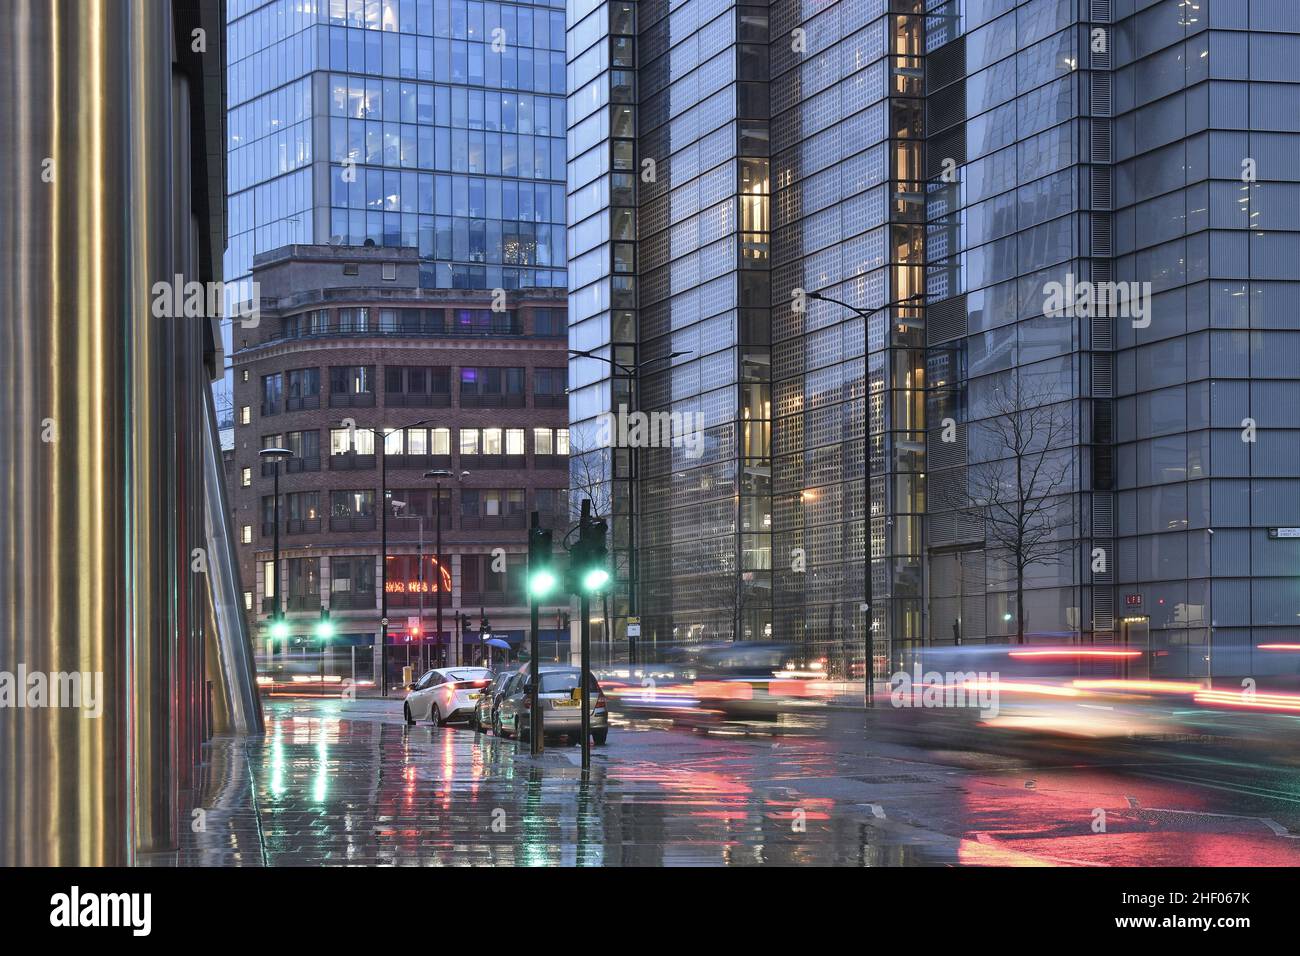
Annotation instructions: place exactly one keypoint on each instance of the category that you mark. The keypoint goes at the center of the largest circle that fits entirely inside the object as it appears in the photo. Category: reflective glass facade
(932, 169)
(432, 124)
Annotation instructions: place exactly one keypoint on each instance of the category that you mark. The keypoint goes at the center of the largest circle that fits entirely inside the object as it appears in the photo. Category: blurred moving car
(445, 694)
(485, 708)
(561, 705)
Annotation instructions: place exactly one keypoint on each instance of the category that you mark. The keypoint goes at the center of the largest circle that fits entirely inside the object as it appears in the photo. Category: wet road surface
(337, 782)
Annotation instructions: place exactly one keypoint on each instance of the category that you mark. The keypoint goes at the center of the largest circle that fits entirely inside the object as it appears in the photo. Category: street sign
(634, 626)
(1284, 532)
(383, 621)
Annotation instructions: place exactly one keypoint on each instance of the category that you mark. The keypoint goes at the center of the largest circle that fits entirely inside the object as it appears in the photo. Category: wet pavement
(337, 782)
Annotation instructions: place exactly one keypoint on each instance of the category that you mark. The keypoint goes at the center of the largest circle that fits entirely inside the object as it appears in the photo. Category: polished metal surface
(235, 643)
(105, 423)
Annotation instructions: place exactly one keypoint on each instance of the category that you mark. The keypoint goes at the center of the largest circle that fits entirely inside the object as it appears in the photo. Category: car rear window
(470, 674)
(558, 682)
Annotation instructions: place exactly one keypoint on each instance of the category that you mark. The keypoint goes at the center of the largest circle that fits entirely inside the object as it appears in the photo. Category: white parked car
(446, 694)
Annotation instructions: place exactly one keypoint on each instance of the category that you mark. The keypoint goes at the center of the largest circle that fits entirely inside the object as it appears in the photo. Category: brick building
(351, 345)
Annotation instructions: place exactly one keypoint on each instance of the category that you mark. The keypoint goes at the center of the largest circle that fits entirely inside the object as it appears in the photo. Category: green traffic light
(541, 583)
(595, 579)
(279, 629)
(324, 630)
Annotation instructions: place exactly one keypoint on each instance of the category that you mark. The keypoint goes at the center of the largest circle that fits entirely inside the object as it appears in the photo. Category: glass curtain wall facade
(848, 223)
(1206, 446)
(1018, 120)
(602, 257)
(431, 124)
(704, 267)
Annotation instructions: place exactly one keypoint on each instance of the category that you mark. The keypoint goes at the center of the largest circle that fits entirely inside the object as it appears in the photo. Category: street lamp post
(275, 456)
(869, 597)
(631, 371)
(381, 435)
(439, 474)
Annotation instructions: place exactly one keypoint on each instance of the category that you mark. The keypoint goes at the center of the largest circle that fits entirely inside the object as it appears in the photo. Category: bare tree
(589, 479)
(1017, 490)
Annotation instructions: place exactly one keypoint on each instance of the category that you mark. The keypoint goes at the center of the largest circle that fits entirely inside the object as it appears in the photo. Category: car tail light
(600, 700)
(468, 684)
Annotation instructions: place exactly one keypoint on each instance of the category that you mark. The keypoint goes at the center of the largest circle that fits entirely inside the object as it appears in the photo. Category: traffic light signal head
(543, 579)
(279, 628)
(325, 629)
(590, 558)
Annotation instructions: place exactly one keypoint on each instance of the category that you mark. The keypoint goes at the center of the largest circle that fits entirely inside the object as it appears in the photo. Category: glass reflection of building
(431, 124)
(974, 152)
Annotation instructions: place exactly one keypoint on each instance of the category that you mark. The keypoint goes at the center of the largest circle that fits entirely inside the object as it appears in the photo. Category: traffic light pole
(534, 662)
(586, 698)
(584, 680)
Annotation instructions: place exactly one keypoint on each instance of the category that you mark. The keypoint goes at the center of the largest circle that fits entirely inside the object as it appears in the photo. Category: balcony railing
(302, 525)
(423, 328)
(302, 602)
(411, 523)
(354, 600)
(291, 466)
(351, 461)
(493, 522)
(364, 523)
(417, 400)
(271, 408)
(296, 404)
(475, 400)
(492, 461)
(352, 399)
(486, 599)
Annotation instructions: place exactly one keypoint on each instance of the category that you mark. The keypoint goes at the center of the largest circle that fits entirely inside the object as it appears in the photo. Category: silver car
(561, 707)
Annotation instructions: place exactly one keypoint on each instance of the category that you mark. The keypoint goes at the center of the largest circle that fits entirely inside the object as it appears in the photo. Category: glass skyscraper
(933, 169)
(432, 124)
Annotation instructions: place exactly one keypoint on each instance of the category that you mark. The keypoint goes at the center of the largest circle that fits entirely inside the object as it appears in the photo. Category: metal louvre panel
(947, 145)
(1103, 334)
(1101, 11)
(946, 65)
(1101, 246)
(941, 454)
(1103, 609)
(1102, 188)
(946, 108)
(1103, 514)
(1100, 141)
(1101, 99)
(1100, 59)
(1103, 375)
(946, 320)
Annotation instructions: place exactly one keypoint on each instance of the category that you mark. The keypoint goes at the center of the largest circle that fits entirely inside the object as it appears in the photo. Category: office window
(469, 441)
(440, 441)
(344, 440)
(248, 600)
(514, 441)
(246, 534)
(245, 415)
(268, 578)
(246, 477)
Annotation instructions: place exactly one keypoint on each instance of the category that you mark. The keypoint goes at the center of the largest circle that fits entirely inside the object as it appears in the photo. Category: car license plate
(475, 696)
(567, 702)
